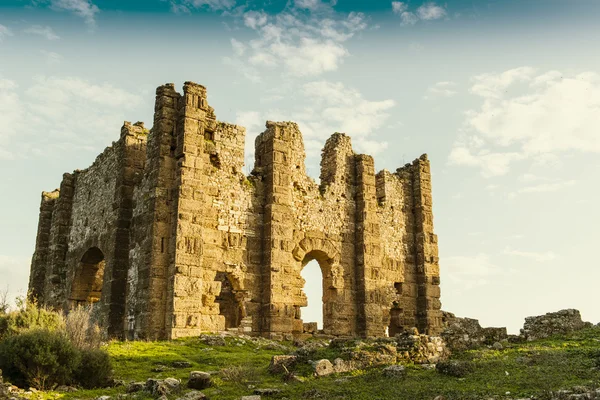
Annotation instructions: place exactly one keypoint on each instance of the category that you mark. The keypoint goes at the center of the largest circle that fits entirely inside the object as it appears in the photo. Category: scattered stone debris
(136, 387)
(282, 364)
(267, 392)
(199, 380)
(181, 364)
(456, 368)
(193, 395)
(394, 371)
(466, 333)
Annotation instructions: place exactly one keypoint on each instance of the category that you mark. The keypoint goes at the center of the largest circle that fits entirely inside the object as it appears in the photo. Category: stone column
(372, 320)
(155, 258)
(274, 146)
(131, 159)
(55, 296)
(429, 317)
(39, 263)
(192, 288)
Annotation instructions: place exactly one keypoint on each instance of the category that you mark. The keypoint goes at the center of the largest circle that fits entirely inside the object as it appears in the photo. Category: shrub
(81, 329)
(95, 369)
(38, 358)
(29, 316)
(456, 368)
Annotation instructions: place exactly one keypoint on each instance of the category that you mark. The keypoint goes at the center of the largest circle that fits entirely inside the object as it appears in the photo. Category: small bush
(241, 374)
(38, 358)
(458, 369)
(95, 369)
(29, 316)
(81, 329)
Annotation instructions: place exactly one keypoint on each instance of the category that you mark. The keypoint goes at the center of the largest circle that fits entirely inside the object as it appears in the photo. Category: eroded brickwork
(168, 237)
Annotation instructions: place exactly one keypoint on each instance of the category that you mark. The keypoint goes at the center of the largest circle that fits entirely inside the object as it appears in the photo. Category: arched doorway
(318, 290)
(313, 289)
(89, 276)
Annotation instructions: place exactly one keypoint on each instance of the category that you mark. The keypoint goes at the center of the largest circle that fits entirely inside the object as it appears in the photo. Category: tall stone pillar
(371, 297)
(192, 287)
(274, 147)
(56, 273)
(131, 159)
(155, 257)
(39, 263)
(429, 316)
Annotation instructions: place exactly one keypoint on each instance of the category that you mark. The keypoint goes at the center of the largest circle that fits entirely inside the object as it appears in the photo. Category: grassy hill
(239, 366)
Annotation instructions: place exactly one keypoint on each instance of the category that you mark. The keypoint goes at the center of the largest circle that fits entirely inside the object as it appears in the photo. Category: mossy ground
(518, 370)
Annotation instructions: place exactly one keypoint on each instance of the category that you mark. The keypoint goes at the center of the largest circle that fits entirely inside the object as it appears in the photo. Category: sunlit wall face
(502, 95)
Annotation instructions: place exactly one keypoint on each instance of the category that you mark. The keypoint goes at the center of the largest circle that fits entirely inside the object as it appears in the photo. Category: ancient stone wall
(168, 238)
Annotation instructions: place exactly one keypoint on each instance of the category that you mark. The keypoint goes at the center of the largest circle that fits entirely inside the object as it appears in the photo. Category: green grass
(524, 369)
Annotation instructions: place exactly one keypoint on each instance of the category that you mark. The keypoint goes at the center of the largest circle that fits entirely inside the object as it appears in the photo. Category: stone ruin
(167, 237)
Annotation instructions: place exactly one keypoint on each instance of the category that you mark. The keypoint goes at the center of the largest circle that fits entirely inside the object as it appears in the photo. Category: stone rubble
(554, 323)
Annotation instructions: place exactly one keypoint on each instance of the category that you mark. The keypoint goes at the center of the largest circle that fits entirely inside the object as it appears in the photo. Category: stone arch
(89, 278)
(327, 256)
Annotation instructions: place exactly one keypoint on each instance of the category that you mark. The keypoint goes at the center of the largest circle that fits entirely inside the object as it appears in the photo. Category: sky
(503, 95)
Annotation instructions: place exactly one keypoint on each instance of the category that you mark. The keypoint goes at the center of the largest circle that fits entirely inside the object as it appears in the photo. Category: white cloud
(65, 109)
(441, 89)
(301, 45)
(215, 5)
(398, 7)
(431, 11)
(327, 107)
(546, 187)
(348, 111)
(426, 12)
(4, 31)
(470, 271)
(44, 31)
(409, 18)
(525, 115)
(238, 47)
(52, 58)
(255, 19)
(539, 257)
(307, 4)
(82, 8)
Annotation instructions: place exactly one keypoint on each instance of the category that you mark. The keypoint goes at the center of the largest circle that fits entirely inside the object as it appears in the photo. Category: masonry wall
(167, 237)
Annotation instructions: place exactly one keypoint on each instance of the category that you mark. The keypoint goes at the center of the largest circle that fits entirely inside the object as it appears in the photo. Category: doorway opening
(229, 306)
(89, 277)
(313, 289)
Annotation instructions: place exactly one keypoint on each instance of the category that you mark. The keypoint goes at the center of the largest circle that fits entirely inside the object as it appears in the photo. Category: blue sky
(504, 96)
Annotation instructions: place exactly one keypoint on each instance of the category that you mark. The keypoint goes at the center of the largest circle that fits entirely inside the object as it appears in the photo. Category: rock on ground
(199, 380)
(395, 371)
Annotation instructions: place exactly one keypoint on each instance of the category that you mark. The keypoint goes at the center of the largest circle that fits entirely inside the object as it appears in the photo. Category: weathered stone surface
(168, 237)
(282, 364)
(253, 397)
(554, 323)
(136, 387)
(199, 380)
(323, 367)
(193, 395)
(466, 333)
